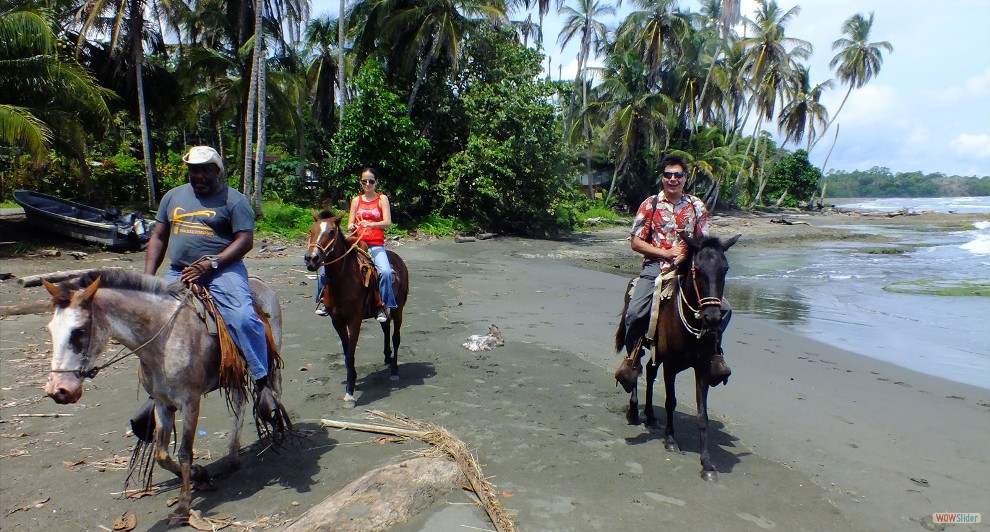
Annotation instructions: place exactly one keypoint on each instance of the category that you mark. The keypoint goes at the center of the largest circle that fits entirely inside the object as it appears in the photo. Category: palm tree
(429, 30)
(322, 38)
(770, 62)
(634, 117)
(804, 112)
(651, 29)
(858, 60)
(42, 91)
(584, 21)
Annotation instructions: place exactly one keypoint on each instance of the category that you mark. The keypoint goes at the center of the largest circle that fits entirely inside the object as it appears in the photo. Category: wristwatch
(214, 264)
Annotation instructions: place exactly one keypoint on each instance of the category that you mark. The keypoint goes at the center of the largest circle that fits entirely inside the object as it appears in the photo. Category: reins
(91, 374)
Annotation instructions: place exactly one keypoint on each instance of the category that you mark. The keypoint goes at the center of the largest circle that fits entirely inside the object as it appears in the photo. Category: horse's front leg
(670, 403)
(651, 377)
(189, 473)
(396, 322)
(348, 332)
(708, 471)
(632, 413)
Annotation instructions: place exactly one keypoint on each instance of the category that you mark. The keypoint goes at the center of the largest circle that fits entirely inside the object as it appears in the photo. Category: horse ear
(52, 289)
(87, 296)
(728, 243)
(336, 219)
(691, 242)
(316, 215)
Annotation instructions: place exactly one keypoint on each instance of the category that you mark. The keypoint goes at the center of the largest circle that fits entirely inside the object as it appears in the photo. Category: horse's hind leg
(392, 352)
(232, 461)
(651, 377)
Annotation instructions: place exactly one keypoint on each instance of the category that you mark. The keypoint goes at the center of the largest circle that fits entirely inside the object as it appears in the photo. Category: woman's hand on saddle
(196, 271)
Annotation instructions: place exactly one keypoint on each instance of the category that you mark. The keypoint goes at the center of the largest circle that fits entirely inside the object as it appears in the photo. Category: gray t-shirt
(199, 225)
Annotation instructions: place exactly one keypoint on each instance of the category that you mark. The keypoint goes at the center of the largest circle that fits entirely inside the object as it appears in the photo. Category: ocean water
(887, 301)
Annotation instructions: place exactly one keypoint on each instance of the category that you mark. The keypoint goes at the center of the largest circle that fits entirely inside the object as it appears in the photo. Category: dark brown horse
(350, 301)
(687, 336)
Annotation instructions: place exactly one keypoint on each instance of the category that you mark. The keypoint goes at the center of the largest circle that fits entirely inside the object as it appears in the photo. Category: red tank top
(371, 211)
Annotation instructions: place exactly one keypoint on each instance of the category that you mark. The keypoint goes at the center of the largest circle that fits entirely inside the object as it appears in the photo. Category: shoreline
(806, 436)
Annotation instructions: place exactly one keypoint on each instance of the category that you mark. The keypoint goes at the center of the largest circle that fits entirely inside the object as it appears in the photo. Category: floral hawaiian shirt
(688, 214)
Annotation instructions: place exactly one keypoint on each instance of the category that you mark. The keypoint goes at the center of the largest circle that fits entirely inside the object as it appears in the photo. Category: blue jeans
(380, 258)
(232, 295)
(385, 276)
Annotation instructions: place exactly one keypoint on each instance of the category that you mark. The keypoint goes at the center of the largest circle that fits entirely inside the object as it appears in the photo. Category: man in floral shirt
(655, 235)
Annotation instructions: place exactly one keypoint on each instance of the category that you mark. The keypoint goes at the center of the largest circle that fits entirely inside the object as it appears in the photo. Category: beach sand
(805, 436)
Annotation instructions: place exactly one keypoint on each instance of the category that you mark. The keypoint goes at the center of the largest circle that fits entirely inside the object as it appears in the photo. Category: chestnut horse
(687, 336)
(350, 301)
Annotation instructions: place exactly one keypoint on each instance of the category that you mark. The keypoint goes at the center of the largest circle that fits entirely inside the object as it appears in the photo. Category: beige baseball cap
(203, 155)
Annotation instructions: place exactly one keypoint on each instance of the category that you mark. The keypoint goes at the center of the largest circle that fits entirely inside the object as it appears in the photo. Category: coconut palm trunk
(137, 55)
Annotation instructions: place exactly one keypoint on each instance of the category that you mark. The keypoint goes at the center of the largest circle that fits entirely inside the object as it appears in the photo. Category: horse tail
(620, 331)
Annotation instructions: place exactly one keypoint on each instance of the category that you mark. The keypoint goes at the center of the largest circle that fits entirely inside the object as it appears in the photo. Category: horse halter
(92, 372)
(703, 302)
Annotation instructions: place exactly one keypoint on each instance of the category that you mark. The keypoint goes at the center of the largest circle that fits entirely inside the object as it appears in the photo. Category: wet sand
(805, 436)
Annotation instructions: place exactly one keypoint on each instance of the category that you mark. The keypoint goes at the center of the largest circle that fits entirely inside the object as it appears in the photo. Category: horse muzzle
(711, 318)
(64, 388)
(313, 261)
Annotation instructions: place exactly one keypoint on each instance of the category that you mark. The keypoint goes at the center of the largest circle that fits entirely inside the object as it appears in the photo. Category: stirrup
(382, 316)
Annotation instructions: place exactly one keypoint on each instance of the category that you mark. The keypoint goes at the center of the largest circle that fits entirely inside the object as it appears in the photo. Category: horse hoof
(652, 424)
(672, 447)
(350, 403)
(709, 475)
(178, 518)
(393, 377)
(632, 417)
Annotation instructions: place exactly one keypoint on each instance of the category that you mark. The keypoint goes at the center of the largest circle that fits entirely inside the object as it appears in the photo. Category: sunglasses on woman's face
(368, 181)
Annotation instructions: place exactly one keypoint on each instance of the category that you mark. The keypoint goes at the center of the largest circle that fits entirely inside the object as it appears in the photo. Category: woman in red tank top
(370, 215)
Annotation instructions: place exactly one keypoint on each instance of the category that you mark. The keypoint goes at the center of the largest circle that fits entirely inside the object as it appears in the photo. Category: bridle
(315, 243)
(91, 373)
(703, 302)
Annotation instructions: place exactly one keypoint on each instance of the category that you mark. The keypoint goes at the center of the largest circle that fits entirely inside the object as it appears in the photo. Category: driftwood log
(54, 277)
(35, 307)
(445, 442)
(383, 497)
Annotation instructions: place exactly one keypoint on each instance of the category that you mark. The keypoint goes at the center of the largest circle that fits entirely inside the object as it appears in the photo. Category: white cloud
(920, 135)
(870, 105)
(977, 86)
(972, 146)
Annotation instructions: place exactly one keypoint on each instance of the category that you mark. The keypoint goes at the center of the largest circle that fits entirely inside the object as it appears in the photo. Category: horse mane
(326, 214)
(684, 266)
(126, 280)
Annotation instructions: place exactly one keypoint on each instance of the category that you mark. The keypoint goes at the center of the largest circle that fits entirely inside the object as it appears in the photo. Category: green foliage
(793, 177)
(286, 220)
(436, 224)
(879, 182)
(377, 132)
(512, 173)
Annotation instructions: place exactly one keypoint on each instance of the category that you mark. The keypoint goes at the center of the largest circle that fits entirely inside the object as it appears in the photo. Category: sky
(929, 108)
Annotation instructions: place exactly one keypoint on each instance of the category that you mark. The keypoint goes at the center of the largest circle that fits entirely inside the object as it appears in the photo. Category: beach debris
(78, 254)
(784, 221)
(920, 481)
(200, 522)
(36, 504)
(462, 239)
(485, 236)
(443, 442)
(127, 521)
(486, 342)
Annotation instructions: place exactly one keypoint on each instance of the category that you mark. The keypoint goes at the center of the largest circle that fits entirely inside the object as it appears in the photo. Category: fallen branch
(37, 307)
(56, 414)
(444, 441)
(53, 277)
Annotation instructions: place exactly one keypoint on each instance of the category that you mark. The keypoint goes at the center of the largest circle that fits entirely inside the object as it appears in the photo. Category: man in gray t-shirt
(207, 228)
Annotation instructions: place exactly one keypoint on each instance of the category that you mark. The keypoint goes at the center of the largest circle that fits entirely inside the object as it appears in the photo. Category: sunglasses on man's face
(368, 181)
(678, 175)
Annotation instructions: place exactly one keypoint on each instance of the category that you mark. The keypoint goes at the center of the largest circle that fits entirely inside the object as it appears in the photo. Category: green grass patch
(964, 287)
(285, 220)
